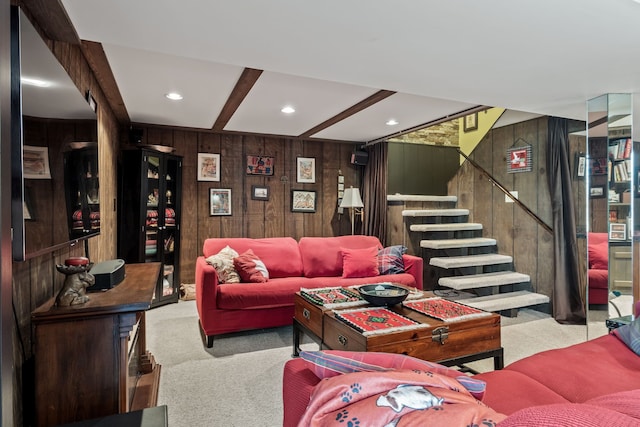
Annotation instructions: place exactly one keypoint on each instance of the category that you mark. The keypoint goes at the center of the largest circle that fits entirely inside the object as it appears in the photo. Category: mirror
(611, 190)
(54, 153)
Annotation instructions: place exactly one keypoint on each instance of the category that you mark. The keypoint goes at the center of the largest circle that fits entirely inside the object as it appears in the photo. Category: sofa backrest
(598, 250)
(280, 255)
(322, 256)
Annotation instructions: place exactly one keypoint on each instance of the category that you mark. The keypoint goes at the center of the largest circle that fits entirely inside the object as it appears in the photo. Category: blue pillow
(630, 335)
(390, 260)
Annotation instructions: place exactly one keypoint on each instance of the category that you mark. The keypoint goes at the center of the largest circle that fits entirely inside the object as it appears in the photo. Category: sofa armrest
(206, 286)
(414, 265)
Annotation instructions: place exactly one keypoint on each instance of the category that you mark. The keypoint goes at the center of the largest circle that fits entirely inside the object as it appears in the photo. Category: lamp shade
(351, 198)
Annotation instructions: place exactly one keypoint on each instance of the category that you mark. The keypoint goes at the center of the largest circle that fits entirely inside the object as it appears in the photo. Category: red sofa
(572, 386)
(314, 262)
(598, 272)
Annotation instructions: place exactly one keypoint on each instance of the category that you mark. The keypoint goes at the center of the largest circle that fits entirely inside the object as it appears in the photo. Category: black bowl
(382, 294)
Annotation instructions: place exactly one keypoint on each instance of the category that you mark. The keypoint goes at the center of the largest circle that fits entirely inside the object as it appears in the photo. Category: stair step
(452, 226)
(435, 212)
(506, 301)
(470, 260)
(458, 243)
(420, 198)
(484, 280)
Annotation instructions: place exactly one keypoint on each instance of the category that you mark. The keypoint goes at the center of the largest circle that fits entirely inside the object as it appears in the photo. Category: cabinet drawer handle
(342, 340)
(306, 313)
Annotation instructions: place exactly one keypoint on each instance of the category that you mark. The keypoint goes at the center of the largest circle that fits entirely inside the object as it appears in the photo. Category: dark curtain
(567, 303)
(374, 193)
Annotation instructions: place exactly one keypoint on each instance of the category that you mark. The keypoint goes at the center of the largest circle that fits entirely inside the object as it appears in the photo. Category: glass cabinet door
(170, 225)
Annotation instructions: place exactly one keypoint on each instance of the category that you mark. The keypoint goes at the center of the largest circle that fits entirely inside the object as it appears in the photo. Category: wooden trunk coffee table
(450, 343)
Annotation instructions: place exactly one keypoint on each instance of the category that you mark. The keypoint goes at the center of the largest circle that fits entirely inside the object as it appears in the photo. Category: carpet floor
(238, 382)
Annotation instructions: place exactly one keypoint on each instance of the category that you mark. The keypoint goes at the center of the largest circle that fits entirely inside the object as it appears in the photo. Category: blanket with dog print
(398, 398)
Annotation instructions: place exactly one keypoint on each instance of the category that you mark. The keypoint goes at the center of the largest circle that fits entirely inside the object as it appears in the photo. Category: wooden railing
(507, 193)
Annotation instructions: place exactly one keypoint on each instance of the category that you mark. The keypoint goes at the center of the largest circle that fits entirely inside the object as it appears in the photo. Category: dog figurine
(74, 288)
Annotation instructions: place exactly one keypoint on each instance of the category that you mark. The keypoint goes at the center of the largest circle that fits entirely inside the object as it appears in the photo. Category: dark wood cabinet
(82, 189)
(91, 359)
(149, 223)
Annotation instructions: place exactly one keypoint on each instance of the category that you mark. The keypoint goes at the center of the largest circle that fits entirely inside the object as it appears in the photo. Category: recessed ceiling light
(174, 96)
(392, 122)
(35, 82)
(288, 109)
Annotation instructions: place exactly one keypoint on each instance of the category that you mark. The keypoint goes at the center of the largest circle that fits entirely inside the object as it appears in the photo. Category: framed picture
(27, 207)
(303, 201)
(219, 201)
(520, 159)
(260, 165)
(470, 122)
(596, 191)
(35, 163)
(617, 231)
(208, 167)
(581, 165)
(306, 169)
(260, 192)
(598, 166)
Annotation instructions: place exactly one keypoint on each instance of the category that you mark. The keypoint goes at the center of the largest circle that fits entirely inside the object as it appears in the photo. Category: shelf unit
(82, 190)
(150, 211)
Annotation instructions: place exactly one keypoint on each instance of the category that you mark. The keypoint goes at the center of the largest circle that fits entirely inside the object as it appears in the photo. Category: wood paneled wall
(518, 235)
(255, 218)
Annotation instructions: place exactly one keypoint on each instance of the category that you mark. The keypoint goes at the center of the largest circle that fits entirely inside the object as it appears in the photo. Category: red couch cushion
(595, 362)
(280, 255)
(322, 256)
(360, 262)
(275, 292)
(598, 251)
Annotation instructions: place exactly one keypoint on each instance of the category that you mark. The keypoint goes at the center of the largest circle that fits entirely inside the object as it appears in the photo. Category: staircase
(460, 263)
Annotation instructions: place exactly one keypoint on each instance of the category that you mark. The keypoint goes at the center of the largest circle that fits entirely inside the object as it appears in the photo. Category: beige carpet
(239, 381)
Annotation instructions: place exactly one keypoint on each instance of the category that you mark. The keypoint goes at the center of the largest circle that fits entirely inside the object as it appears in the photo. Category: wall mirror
(55, 191)
(611, 195)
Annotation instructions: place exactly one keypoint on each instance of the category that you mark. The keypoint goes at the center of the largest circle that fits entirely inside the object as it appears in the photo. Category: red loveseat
(581, 385)
(598, 272)
(314, 262)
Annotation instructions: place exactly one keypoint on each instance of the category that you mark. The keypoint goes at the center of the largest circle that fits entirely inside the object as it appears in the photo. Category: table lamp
(351, 199)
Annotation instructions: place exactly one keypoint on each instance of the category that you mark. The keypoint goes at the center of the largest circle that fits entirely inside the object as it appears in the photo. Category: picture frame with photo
(306, 170)
(35, 162)
(219, 201)
(581, 165)
(596, 191)
(208, 167)
(303, 201)
(470, 122)
(617, 231)
(260, 192)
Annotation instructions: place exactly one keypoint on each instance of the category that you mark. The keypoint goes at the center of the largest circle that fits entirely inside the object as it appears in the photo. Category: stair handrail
(507, 192)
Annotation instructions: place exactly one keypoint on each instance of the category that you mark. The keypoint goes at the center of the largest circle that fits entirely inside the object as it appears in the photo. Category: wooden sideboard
(91, 359)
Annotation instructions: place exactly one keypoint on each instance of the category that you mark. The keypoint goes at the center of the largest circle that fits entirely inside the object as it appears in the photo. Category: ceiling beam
(247, 79)
(97, 59)
(365, 103)
(52, 19)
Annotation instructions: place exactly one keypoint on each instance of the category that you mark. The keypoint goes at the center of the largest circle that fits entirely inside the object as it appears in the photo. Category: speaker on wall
(135, 135)
(359, 158)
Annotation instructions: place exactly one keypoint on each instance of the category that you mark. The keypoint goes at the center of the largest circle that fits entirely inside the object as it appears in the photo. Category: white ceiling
(441, 57)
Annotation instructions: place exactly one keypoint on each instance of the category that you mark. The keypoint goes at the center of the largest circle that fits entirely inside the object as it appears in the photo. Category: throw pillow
(251, 268)
(360, 262)
(390, 260)
(599, 255)
(329, 363)
(223, 263)
(630, 335)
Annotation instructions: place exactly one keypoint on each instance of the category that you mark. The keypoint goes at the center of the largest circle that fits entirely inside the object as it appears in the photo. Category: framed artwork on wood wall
(208, 167)
(35, 162)
(306, 168)
(260, 165)
(219, 201)
(303, 201)
(259, 192)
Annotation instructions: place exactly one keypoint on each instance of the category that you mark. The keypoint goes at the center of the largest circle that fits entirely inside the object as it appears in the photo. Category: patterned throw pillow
(251, 268)
(390, 260)
(329, 363)
(223, 263)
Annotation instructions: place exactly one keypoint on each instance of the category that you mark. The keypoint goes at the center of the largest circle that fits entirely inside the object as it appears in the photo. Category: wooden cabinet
(150, 211)
(91, 359)
(82, 189)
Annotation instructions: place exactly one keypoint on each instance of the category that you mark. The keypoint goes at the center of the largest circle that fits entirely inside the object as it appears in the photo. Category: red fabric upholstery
(322, 256)
(596, 383)
(598, 272)
(232, 307)
(600, 361)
